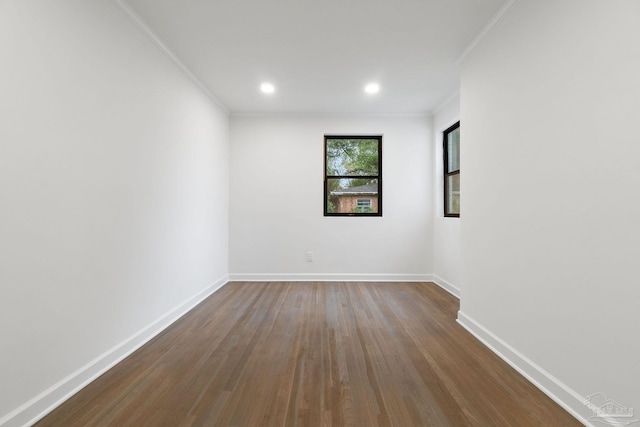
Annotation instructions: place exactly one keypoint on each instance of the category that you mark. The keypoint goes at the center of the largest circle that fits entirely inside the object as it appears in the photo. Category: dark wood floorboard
(314, 354)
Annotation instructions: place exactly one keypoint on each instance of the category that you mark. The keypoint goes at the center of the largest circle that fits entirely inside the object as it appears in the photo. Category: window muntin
(353, 171)
(451, 140)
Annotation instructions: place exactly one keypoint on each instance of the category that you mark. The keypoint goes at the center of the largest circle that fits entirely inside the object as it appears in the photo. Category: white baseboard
(449, 287)
(559, 392)
(32, 411)
(329, 277)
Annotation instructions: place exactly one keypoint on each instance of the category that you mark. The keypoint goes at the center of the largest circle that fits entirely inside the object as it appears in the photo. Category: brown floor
(314, 354)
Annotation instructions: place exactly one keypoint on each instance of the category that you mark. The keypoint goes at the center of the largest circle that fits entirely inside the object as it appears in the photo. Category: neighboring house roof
(361, 189)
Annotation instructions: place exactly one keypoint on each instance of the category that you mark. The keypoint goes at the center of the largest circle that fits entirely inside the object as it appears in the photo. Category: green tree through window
(353, 172)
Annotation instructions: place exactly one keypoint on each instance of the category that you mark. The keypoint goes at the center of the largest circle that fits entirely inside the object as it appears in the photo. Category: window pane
(352, 195)
(453, 150)
(453, 195)
(352, 157)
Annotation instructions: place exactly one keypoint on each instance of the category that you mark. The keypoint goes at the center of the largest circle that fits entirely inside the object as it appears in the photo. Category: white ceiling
(319, 54)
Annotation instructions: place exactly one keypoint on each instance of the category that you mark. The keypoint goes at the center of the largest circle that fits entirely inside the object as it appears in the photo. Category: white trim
(330, 115)
(35, 409)
(487, 29)
(559, 392)
(447, 126)
(328, 277)
(449, 287)
(142, 26)
(444, 104)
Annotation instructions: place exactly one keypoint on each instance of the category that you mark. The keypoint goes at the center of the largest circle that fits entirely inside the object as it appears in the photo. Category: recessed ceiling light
(267, 88)
(372, 88)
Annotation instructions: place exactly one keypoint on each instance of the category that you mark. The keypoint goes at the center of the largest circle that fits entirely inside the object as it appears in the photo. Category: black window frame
(378, 177)
(447, 173)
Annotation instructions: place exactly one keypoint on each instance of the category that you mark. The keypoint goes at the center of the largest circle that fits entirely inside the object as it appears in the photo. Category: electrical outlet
(309, 256)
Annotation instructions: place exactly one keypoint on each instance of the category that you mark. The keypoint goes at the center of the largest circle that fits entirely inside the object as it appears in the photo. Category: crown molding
(329, 115)
(455, 94)
(142, 26)
(487, 29)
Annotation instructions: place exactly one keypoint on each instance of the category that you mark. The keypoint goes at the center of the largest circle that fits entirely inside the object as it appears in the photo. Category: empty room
(319, 213)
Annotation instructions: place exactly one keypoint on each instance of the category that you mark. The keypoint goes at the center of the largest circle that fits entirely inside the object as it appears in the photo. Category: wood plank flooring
(314, 354)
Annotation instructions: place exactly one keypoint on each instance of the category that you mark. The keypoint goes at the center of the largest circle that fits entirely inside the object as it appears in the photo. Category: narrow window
(452, 171)
(352, 175)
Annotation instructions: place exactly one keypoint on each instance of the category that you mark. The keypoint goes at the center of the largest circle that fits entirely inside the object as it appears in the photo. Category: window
(452, 171)
(352, 175)
(363, 205)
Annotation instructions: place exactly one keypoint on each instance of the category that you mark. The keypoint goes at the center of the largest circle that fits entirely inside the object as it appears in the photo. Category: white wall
(550, 102)
(447, 255)
(113, 196)
(276, 203)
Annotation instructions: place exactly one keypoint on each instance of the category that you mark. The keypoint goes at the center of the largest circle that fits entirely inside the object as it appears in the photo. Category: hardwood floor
(314, 354)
